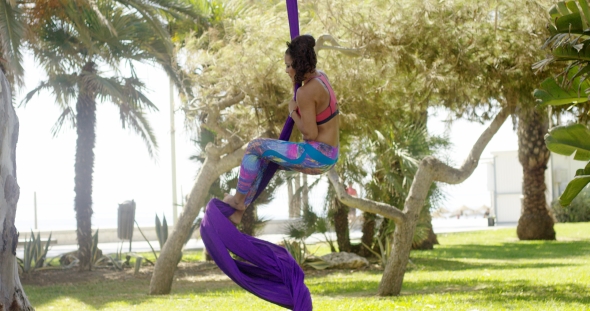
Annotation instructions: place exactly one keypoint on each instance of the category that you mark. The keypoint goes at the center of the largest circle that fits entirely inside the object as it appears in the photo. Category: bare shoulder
(306, 93)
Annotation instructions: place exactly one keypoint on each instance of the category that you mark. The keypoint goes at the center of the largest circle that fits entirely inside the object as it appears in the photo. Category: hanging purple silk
(269, 272)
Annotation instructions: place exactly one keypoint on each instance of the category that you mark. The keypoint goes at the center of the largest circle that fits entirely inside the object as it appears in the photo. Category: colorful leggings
(309, 157)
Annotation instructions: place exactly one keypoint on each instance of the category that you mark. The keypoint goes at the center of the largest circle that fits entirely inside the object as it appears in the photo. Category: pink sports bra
(332, 109)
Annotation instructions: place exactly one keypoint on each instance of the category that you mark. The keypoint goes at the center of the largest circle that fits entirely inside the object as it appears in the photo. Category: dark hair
(303, 55)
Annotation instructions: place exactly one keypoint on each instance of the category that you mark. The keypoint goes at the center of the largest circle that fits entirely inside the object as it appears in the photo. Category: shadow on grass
(438, 264)
(514, 250)
(134, 291)
(131, 291)
(488, 291)
(498, 291)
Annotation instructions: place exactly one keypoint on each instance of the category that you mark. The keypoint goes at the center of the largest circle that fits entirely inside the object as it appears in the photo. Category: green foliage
(299, 231)
(324, 227)
(566, 140)
(553, 94)
(384, 249)
(94, 257)
(12, 31)
(577, 211)
(574, 187)
(568, 40)
(569, 43)
(297, 249)
(396, 155)
(569, 139)
(210, 14)
(161, 230)
(35, 253)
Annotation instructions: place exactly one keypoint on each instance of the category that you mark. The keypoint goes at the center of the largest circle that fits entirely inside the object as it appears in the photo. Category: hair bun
(309, 40)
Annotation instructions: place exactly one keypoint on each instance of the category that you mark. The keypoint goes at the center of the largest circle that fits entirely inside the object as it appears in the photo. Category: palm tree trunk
(297, 196)
(249, 220)
(425, 219)
(290, 198)
(84, 167)
(368, 233)
(535, 223)
(305, 193)
(12, 295)
(340, 218)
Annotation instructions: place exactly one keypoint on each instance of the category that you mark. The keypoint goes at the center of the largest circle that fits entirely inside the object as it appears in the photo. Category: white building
(505, 182)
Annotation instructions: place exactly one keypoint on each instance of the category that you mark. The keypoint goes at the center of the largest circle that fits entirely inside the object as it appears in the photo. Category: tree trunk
(213, 167)
(12, 295)
(290, 198)
(305, 193)
(535, 223)
(368, 233)
(340, 218)
(248, 220)
(84, 166)
(297, 196)
(426, 220)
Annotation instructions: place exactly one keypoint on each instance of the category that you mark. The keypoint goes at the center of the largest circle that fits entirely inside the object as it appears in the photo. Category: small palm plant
(35, 253)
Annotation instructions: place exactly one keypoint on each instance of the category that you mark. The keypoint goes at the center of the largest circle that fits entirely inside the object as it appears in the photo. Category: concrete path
(439, 226)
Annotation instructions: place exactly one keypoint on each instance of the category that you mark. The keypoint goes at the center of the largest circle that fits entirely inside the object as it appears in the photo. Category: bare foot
(231, 201)
(236, 217)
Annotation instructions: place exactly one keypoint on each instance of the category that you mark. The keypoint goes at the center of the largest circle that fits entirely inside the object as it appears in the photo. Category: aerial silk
(269, 271)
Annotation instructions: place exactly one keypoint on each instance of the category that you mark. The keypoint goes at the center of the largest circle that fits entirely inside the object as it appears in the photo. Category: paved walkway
(439, 226)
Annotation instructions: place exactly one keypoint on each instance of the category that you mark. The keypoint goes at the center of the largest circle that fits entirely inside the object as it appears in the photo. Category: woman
(316, 116)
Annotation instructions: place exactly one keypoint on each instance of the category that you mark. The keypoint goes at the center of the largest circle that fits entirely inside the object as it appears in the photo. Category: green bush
(577, 211)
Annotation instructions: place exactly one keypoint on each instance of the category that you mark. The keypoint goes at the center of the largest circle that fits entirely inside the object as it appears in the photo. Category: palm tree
(535, 223)
(397, 153)
(78, 43)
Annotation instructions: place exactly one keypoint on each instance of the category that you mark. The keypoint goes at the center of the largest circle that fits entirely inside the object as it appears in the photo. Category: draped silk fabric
(269, 272)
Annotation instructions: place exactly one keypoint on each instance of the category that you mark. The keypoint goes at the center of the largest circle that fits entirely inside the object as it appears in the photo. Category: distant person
(352, 192)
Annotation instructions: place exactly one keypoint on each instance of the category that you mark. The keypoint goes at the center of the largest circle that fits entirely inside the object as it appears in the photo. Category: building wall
(505, 182)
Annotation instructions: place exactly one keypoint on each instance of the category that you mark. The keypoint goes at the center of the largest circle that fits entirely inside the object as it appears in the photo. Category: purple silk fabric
(269, 272)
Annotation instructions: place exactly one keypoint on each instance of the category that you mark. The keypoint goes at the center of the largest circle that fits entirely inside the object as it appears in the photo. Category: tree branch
(228, 102)
(335, 46)
(212, 122)
(442, 172)
(230, 161)
(365, 205)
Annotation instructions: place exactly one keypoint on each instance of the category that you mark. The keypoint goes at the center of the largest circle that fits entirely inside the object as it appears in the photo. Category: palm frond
(141, 126)
(150, 16)
(11, 33)
(94, 5)
(177, 9)
(66, 115)
(127, 94)
(62, 86)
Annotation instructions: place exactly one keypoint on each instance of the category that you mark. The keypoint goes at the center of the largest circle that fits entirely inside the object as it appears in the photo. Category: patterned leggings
(309, 157)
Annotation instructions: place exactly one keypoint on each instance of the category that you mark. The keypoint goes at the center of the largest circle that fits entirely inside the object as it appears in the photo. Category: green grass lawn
(486, 270)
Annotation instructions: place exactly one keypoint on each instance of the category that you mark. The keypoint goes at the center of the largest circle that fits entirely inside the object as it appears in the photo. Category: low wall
(109, 235)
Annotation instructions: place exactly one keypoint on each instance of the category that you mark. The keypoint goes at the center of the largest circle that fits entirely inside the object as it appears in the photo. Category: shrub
(577, 211)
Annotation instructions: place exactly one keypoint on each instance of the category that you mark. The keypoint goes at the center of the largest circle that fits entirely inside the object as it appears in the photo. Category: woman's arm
(305, 119)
